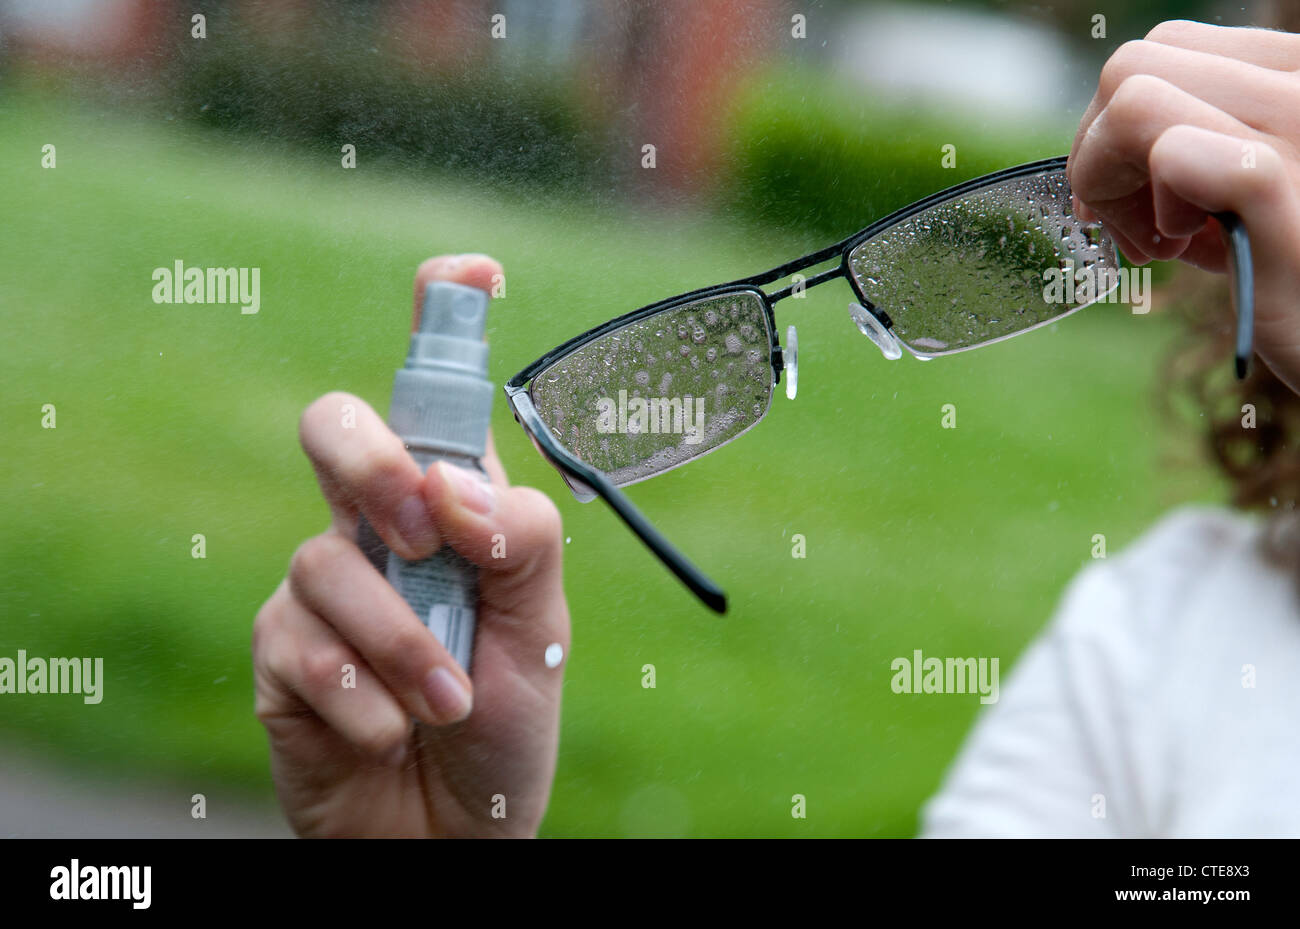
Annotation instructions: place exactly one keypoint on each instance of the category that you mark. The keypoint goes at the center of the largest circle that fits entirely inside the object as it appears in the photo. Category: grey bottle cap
(442, 399)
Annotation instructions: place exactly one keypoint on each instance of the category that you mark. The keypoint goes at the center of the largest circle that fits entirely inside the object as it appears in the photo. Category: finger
(364, 468)
(471, 269)
(1206, 250)
(513, 534)
(1262, 98)
(333, 579)
(1217, 172)
(1131, 252)
(1267, 48)
(1110, 169)
(310, 664)
(1111, 159)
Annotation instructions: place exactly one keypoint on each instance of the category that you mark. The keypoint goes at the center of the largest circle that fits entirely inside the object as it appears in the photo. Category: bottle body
(441, 407)
(442, 589)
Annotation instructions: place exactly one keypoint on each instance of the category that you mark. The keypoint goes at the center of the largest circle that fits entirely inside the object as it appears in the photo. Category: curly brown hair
(1250, 428)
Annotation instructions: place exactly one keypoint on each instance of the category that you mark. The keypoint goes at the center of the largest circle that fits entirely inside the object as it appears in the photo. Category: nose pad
(581, 492)
(790, 360)
(872, 328)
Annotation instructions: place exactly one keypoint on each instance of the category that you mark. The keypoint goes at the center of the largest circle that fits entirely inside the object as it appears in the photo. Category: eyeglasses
(663, 385)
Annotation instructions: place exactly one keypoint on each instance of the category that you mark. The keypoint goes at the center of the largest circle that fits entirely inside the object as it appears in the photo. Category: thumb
(511, 533)
(1214, 172)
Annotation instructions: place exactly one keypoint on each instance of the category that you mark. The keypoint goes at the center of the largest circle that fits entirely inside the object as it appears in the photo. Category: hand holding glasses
(663, 385)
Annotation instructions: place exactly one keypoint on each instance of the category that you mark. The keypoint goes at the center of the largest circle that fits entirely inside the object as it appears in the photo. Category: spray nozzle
(452, 321)
(454, 310)
(442, 398)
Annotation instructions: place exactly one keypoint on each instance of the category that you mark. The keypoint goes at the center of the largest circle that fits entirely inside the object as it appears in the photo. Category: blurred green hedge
(804, 152)
(495, 123)
(801, 152)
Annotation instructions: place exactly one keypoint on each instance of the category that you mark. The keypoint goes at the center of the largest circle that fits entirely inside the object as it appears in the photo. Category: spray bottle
(442, 404)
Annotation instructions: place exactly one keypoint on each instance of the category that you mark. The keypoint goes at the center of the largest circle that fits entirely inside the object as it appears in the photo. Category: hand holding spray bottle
(441, 408)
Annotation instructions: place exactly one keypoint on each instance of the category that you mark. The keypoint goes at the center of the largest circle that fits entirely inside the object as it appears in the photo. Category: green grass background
(175, 420)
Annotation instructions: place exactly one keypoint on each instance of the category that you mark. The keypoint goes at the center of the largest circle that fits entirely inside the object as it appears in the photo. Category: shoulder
(1192, 536)
(1133, 697)
(1194, 554)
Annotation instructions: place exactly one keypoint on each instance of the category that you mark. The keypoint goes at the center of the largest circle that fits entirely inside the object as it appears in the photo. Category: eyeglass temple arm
(709, 593)
(1243, 273)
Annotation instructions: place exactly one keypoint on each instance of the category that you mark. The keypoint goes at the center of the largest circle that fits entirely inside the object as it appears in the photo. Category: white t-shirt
(1163, 700)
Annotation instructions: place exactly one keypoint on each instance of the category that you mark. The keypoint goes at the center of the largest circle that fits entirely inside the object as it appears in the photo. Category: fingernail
(472, 492)
(447, 697)
(414, 524)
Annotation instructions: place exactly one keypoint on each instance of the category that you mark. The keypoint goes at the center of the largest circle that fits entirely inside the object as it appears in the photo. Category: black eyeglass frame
(574, 469)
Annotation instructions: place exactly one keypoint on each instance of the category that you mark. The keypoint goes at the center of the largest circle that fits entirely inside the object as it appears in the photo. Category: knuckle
(314, 559)
(270, 614)
(1174, 31)
(322, 668)
(1124, 62)
(263, 623)
(1267, 176)
(1132, 102)
(1136, 91)
(405, 647)
(1174, 137)
(276, 663)
(265, 710)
